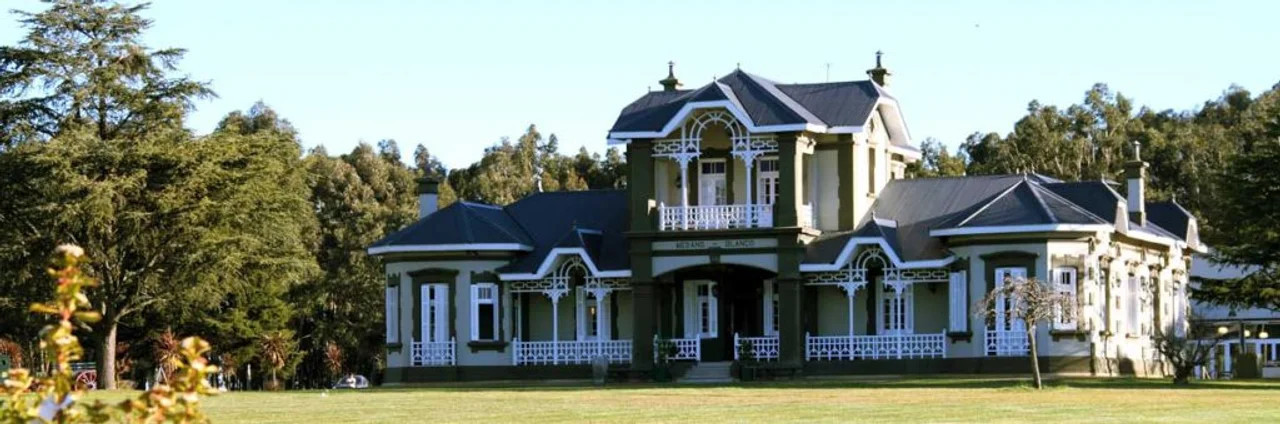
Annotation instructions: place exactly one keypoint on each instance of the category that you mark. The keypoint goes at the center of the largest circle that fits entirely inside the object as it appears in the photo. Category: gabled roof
(766, 103)
(1026, 203)
(462, 223)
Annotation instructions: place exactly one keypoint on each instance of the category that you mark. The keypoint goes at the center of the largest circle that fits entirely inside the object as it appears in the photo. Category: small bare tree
(1185, 350)
(1032, 302)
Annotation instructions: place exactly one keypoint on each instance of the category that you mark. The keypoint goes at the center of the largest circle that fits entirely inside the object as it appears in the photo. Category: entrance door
(712, 188)
(894, 314)
(701, 318)
(435, 313)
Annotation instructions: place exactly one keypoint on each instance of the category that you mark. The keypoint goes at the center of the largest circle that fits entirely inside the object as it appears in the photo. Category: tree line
(237, 235)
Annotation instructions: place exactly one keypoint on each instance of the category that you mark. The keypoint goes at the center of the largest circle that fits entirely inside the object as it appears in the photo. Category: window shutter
(959, 291)
(475, 312)
(690, 310)
(425, 302)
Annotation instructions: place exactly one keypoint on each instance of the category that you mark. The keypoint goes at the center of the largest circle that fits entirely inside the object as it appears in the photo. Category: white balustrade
(686, 349)
(569, 352)
(714, 217)
(762, 348)
(1267, 351)
(1007, 343)
(903, 346)
(422, 354)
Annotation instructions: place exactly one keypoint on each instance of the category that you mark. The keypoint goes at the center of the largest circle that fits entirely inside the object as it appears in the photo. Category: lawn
(898, 400)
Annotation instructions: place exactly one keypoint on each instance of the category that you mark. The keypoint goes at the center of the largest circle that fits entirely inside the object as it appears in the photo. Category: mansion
(773, 224)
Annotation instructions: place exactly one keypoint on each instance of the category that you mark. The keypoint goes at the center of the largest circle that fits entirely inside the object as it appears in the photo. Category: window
(484, 311)
(1064, 283)
(393, 315)
(767, 182)
(435, 313)
(1135, 304)
(1004, 316)
(712, 189)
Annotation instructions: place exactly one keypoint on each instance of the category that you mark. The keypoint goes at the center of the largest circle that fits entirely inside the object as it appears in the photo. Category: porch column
(600, 320)
(684, 191)
(790, 331)
(789, 175)
(555, 329)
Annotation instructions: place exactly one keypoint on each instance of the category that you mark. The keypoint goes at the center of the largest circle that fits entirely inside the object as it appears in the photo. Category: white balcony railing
(714, 217)
(762, 348)
(685, 349)
(425, 354)
(875, 346)
(1007, 343)
(569, 352)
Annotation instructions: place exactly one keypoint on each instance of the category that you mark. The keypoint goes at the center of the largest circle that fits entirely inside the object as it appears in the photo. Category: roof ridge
(1070, 203)
(988, 203)
(1044, 207)
(796, 108)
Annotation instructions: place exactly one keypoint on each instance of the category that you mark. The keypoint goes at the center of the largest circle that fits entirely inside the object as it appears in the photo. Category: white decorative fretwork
(1007, 343)
(688, 147)
(423, 354)
(714, 217)
(569, 352)
(555, 287)
(765, 348)
(875, 346)
(689, 349)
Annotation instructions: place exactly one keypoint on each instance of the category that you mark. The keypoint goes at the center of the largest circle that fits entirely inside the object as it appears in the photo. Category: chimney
(879, 74)
(428, 196)
(1135, 173)
(670, 83)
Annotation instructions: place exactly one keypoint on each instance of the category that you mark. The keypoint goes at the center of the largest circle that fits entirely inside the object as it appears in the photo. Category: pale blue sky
(457, 76)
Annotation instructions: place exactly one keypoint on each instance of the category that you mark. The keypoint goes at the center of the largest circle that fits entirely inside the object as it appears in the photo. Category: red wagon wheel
(87, 380)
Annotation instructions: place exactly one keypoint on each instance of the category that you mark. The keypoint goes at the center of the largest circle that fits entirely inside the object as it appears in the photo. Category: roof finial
(738, 66)
(879, 74)
(1137, 150)
(670, 82)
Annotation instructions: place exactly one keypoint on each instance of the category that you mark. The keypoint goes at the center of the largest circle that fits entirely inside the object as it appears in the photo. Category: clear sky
(459, 75)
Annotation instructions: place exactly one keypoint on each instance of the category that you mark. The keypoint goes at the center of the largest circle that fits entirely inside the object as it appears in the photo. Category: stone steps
(709, 372)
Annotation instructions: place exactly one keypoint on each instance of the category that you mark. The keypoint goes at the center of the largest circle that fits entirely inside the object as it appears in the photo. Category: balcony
(714, 217)
(725, 217)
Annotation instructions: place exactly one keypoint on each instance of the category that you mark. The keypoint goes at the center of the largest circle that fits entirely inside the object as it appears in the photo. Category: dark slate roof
(847, 103)
(1170, 216)
(920, 205)
(1027, 203)
(594, 220)
(460, 223)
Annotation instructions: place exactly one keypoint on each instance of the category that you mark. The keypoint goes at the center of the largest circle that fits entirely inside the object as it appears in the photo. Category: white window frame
(901, 310)
(705, 178)
(434, 308)
(393, 314)
(699, 306)
(1003, 320)
(1064, 283)
(480, 297)
(766, 181)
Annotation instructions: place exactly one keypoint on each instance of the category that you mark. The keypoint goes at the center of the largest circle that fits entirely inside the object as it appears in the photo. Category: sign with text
(715, 244)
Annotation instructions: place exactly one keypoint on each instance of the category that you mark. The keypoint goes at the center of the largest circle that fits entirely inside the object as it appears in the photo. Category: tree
(83, 65)
(1248, 188)
(936, 162)
(1031, 302)
(1184, 352)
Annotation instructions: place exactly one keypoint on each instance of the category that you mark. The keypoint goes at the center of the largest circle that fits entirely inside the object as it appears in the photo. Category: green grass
(899, 400)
